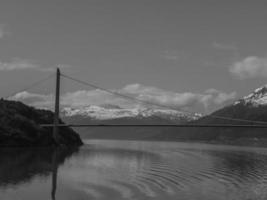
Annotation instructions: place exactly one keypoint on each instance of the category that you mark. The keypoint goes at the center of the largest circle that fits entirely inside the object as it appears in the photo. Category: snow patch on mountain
(257, 98)
(108, 112)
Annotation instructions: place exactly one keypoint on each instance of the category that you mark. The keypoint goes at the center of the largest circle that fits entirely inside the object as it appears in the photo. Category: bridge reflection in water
(22, 165)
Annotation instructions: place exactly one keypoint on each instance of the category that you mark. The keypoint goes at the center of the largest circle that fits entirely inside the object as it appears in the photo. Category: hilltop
(20, 126)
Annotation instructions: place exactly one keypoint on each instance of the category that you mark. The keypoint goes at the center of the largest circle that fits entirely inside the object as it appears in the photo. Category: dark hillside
(19, 126)
(225, 135)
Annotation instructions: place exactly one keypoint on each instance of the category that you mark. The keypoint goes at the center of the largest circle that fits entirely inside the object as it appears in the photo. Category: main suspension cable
(33, 85)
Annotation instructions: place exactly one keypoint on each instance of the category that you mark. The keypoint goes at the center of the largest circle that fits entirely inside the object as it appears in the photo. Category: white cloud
(21, 64)
(33, 99)
(172, 55)
(17, 64)
(213, 96)
(186, 100)
(225, 47)
(195, 102)
(250, 67)
(159, 96)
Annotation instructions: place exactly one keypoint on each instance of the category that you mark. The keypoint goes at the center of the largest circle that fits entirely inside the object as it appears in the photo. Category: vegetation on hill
(238, 111)
(20, 126)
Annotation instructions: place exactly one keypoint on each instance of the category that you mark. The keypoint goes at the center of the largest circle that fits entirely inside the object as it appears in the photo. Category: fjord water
(113, 169)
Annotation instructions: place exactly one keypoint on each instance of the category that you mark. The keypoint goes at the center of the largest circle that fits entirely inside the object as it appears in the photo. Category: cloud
(2, 31)
(217, 97)
(159, 96)
(172, 55)
(250, 67)
(36, 100)
(225, 47)
(17, 64)
(230, 49)
(22, 64)
(193, 102)
(185, 100)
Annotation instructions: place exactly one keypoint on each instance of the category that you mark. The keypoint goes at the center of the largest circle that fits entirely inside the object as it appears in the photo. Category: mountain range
(251, 110)
(113, 114)
(251, 107)
(107, 114)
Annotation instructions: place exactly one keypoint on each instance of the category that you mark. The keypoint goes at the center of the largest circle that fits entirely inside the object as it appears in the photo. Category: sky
(195, 55)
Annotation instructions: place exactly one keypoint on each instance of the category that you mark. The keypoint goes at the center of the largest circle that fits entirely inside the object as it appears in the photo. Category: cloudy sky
(188, 54)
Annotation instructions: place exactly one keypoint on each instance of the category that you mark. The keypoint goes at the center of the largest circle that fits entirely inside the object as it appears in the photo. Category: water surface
(110, 169)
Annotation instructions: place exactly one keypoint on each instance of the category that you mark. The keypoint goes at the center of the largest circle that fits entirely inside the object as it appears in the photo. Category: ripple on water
(166, 171)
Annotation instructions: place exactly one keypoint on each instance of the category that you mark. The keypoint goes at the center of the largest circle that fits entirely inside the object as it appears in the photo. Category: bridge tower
(56, 115)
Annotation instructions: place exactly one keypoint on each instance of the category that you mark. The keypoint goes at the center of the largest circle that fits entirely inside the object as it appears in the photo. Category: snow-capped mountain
(250, 110)
(256, 98)
(110, 112)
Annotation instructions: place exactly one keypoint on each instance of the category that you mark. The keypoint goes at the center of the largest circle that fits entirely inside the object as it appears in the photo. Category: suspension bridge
(244, 123)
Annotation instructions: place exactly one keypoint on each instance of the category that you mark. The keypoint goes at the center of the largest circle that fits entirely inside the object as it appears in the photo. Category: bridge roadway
(162, 125)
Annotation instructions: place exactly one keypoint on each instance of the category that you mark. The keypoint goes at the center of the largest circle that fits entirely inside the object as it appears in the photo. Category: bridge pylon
(56, 114)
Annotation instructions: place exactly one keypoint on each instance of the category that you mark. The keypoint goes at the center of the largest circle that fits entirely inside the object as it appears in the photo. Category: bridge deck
(160, 125)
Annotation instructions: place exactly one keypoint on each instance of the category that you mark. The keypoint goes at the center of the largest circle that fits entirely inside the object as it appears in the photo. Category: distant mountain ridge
(250, 109)
(110, 112)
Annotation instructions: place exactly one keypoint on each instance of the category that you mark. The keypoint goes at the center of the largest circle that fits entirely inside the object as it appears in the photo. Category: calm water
(135, 170)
